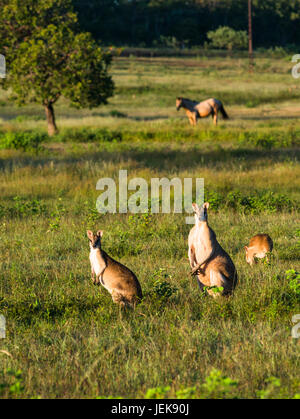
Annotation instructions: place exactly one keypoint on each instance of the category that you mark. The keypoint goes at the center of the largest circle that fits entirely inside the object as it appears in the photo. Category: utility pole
(250, 48)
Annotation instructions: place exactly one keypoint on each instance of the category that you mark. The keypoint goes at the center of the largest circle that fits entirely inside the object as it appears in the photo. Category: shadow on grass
(267, 117)
(27, 313)
(163, 158)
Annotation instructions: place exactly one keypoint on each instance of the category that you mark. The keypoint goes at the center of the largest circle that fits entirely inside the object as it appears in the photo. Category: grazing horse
(195, 110)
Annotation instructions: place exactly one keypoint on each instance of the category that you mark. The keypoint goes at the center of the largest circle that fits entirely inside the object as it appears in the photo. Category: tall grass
(64, 336)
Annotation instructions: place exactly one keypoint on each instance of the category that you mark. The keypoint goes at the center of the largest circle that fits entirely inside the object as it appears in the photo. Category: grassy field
(64, 336)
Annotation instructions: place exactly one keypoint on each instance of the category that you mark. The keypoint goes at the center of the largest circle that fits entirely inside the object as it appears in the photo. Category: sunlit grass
(63, 333)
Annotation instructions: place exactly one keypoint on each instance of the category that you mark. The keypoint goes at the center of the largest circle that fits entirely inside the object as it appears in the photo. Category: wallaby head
(95, 239)
(200, 213)
(178, 103)
(249, 255)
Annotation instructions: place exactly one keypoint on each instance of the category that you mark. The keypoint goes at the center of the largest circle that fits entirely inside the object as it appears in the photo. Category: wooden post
(250, 48)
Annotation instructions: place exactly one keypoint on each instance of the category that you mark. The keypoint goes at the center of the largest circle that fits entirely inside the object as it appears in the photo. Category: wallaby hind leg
(218, 280)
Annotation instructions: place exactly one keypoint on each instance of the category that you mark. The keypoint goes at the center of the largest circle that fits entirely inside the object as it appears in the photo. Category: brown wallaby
(119, 281)
(208, 260)
(259, 246)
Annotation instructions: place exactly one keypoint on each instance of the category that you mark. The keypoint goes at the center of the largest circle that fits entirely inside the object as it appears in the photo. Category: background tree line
(150, 22)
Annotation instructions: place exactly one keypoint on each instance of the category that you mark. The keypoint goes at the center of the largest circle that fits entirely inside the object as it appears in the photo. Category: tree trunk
(52, 128)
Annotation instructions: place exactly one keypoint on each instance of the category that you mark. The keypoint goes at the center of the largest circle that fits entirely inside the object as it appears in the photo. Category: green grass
(65, 337)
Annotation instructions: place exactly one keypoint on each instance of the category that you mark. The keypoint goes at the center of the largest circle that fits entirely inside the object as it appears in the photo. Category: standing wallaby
(259, 246)
(208, 260)
(119, 281)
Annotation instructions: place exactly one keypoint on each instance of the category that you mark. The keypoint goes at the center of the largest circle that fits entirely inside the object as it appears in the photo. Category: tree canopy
(48, 57)
(225, 37)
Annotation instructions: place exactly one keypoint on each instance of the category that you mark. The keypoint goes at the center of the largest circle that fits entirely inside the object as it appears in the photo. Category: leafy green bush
(227, 38)
(12, 383)
(23, 207)
(218, 386)
(270, 140)
(157, 393)
(294, 281)
(161, 286)
(26, 141)
(258, 201)
(273, 389)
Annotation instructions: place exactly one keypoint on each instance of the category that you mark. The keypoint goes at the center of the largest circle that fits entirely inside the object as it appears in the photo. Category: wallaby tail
(223, 112)
(124, 301)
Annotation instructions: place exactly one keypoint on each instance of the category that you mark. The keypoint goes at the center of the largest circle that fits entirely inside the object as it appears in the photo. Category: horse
(195, 110)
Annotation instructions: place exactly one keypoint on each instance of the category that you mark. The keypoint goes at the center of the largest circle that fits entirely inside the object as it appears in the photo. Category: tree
(225, 37)
(47, 57)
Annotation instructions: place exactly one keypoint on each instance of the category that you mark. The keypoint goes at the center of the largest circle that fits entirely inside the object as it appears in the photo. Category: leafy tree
(225, 37)
(47, 57)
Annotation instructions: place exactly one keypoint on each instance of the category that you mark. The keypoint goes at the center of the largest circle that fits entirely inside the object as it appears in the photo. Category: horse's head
(178, 103)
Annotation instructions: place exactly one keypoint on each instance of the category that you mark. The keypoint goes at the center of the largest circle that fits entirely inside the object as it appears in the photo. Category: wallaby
(208, 260)
(259, 246)
(119, 281)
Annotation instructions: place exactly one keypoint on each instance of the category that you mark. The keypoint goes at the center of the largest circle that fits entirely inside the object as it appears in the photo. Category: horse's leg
(190, 115)
(194, 118)
(215, 117)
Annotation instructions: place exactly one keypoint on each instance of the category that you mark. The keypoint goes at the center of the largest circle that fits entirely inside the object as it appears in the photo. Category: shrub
(161, 286)
(258, 201)
(26, 141)
(23, 207)
(157, 393)
(294, 281)
(11, 383)
(270, 140)
(227, 38)
(218, 386)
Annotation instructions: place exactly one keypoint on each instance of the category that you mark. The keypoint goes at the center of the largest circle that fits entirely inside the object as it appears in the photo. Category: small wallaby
(208, 260)
(119, 281)
(259, 246)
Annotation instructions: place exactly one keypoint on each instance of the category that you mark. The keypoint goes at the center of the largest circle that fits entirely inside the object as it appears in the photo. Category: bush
(227, 38)
(86, 135)
(161, 286)
(26, 141)
(258, 201)
(269, 140)
(23, 207)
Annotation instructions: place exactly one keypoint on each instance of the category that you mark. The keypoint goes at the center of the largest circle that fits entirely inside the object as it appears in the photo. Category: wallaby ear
(90, 234)
(196, 208)
(100, 233)
(206, 205)
(246, 248)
